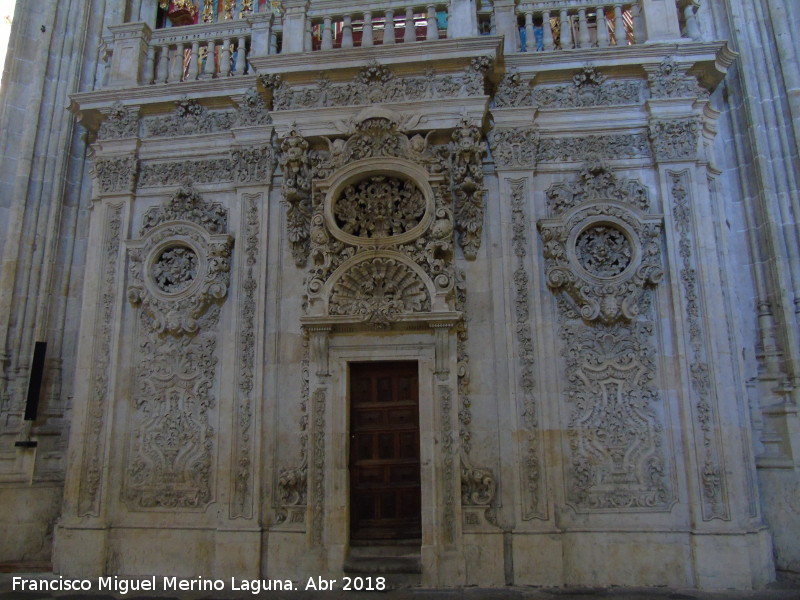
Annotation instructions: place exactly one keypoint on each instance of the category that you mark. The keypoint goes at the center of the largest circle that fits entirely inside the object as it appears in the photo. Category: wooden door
(384, 451)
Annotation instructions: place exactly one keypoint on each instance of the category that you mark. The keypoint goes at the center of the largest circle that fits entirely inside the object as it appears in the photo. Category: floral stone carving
(379, 290)
(121, 122)
(297, 193)
(379, 206)
(602, 251)
(467, 152)
(669, 81)
(189, 118)
(675, 139)
(589, 87)
(179, 271)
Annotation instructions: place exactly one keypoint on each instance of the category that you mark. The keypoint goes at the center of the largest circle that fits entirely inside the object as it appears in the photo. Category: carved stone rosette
(603, 255)
(179, 273)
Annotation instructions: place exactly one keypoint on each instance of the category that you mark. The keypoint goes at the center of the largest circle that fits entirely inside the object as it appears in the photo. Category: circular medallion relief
(603, 250)
(175, 269)
(379, 206)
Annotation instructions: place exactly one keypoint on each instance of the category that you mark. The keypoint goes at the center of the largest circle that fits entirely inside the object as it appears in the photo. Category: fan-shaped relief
(378, 202)
(379, 291)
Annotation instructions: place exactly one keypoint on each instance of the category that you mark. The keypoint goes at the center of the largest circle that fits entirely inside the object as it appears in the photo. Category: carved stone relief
(583, 148)
(94, 451)
(675, 139)
(253, 164)
(534, 505)
(189, 118)
(668, 80)
(377, 84)
(115, 174)
(514, 148)
(379, 206)
(242, 486)
(176, 172)
(603, 256)
(121, 122)
(318, 466)
(297, 193)
(512, 92)
(467, 150)
(179, 273)
(712, 477)
(589, 87)
(448, 462)
(252, 110)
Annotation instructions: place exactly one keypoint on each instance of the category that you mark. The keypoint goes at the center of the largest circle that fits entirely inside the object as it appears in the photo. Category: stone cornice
(457, 52)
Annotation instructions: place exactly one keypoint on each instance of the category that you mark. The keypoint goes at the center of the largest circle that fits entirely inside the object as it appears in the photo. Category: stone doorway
(384, 464)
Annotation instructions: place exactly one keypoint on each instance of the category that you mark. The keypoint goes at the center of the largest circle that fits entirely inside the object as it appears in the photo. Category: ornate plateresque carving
(253, 164)
(116, 174)
(512, 92)
(198, 171)
(534, 507)
(189, 118)
(602, 253)
(712, 477)
(241, 503)
(675, 139)
(297, 193)
(252, 110)
(514, 148)
(583, 148)
(669, 81)
(467, 150)
(94, 452)
(589, 87)
(448, 461)
(379, 206)
(179, 273)
(318, 467)
(377, 84)
(379, 290)
(121, 122)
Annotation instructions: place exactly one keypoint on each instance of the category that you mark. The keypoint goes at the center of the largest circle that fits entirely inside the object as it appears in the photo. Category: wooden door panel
(384, 451)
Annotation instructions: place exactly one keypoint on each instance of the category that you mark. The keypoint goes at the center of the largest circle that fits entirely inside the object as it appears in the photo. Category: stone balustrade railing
(556, 26)
(366, 24)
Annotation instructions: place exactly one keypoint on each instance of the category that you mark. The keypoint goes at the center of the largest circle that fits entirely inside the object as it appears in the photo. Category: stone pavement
(784, 590)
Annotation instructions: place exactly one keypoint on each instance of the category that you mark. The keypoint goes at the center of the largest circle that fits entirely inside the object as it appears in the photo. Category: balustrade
(364, 25)
(546, 26)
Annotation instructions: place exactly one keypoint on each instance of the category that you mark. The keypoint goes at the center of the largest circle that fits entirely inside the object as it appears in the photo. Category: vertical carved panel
(94, 453)
(534, 505)
(318, 467)
(179, 274)
(712, 475)
(448, 463)
(603, 257)
(242, 492)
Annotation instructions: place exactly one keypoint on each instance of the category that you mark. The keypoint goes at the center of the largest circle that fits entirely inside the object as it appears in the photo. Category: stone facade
(581, 231)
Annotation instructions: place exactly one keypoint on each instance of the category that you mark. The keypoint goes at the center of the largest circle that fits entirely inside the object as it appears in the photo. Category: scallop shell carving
(379, 290)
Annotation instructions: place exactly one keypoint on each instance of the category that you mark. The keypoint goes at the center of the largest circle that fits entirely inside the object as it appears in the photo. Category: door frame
(342, 350)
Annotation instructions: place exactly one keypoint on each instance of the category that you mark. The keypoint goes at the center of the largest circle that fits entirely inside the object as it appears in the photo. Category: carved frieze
(603, 256)
(253, 164)
(99, 400)
(189, 118)
(252, 110)
(121, 122)
(583, 148)
(318, 400)
(589, 88)
(179, 273)
(467, 150)
(377, 84)
(533, 507)
(176, 172)
(512, 92)
(675, 139)
(713, 480)
(115, 174)
(668, 80)
(514, 148)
